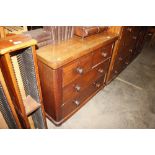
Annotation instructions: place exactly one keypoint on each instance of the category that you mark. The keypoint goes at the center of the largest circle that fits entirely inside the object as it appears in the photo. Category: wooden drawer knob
(97, 85)
(79, 70)
(129, 29)
(104, 54)
(150, 34)
(134, 37)
(116, 72)
(76, 102)
(120, 59)
(130, 50)
(77, 88)
(126, 63)
(100, 70)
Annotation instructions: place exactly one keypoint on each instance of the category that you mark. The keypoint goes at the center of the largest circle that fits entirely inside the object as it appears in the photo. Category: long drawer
(77, 86)
(73, 104)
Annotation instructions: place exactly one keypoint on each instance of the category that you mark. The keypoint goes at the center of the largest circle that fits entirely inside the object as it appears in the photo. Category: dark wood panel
(51, 85)
(76, 68)
(127, 48)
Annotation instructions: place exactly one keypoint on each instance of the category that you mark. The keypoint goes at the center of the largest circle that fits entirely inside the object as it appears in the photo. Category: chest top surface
(58, 55)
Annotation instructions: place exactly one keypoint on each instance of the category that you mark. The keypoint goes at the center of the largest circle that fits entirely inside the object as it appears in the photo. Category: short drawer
(121, 64)
(77, 68)
(102, 54)
(123, 54)
(76, 87)
(118, 68)
(73, 104)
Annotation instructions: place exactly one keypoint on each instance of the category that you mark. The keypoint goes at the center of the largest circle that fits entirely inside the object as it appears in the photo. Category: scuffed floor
(127, 102)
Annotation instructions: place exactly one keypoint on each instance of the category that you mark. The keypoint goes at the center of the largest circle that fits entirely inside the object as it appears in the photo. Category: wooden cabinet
(128, 46)
(72, 72)
(19, 68)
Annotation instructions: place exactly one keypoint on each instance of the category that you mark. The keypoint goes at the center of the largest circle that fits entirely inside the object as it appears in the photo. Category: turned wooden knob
(129, 29)
(79, 70)
(100, 70)
(126, 63)
(134, 37)
(77, 87)
(76, 102)
(97, 85)
(130, 50)
(116, 72)
(104, 54)
(120, 59)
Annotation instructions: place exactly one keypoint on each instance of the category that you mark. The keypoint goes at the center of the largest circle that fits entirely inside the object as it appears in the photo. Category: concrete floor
(127, 102)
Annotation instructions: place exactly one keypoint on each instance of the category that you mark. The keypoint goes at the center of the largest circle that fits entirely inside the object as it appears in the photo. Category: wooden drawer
(73, 104)
(76, 87)
(76, 69)
(102, 54)
(118, 67)
(121, 64)
(123, 54)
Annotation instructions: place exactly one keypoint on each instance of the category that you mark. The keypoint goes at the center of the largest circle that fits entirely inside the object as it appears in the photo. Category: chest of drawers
(128, 46)
(73, 72)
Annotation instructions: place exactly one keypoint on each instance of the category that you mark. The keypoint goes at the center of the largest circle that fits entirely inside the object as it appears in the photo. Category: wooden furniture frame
(128, 46)
(19, 67)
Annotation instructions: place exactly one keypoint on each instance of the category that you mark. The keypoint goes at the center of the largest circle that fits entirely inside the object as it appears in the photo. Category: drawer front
(123, 54)
(76, 87)
(121, 64)
(102, 54)
(71, 105)
(118, 68)
(76, 69)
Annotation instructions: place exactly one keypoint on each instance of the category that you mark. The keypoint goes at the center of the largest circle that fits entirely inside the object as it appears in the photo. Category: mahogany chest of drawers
(128, 46)
(73, 72)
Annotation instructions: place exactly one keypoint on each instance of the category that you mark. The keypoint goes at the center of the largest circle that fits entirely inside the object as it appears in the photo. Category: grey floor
(127, 102)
